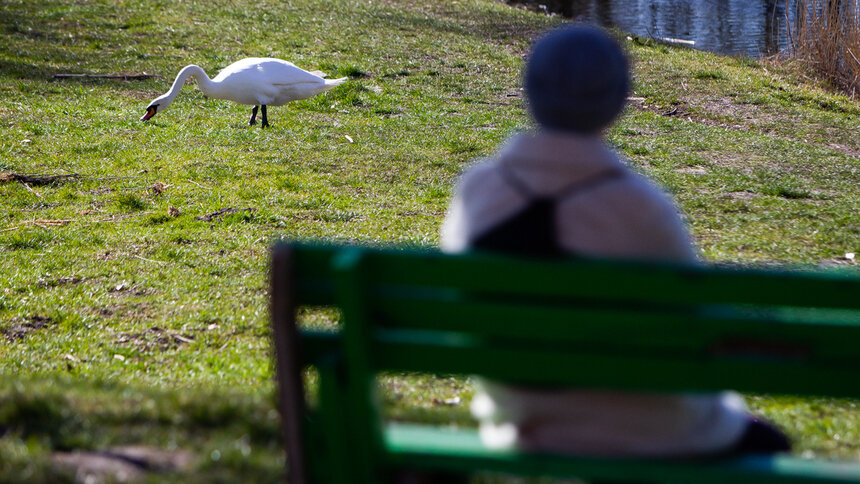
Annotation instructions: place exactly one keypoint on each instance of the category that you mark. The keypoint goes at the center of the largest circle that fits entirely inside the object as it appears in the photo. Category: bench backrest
(584, 323)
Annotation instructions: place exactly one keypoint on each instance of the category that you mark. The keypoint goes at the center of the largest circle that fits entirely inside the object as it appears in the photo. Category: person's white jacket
(626, 217)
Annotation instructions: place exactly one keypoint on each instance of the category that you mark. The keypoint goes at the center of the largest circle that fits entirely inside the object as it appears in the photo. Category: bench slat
(601, 279)
(597, 368)
(727, 330)
(428, 447)
(615, 280)
(643, 370)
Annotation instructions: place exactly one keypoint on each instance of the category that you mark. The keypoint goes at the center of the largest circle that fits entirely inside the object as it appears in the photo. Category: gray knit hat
(577, 79)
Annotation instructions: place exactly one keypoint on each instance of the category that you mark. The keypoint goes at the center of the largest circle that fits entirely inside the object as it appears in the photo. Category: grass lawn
(132, 314)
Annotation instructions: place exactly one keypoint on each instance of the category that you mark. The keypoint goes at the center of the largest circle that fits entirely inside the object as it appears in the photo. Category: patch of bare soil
(155, 338)
(693, 170)
(20, 330)
(846, 260)
(742, 195)
(845, 150)
(121, 464)
(747, 115)
(61, 281)
(681, 111)
(129, 289)
(727, 114)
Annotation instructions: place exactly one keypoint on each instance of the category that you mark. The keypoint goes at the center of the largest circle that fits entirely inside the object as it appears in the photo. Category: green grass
(127, 324)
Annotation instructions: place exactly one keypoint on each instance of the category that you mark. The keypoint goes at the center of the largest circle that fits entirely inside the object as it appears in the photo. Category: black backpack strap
(574, 188)
(586, 184)
(514, 182)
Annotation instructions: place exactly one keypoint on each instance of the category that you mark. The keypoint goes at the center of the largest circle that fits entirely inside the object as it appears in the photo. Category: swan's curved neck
(208, 86)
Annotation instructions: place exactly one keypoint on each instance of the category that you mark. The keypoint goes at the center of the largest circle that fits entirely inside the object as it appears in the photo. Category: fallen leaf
(158, 188)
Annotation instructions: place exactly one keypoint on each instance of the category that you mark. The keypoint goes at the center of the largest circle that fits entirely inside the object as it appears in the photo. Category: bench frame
(400, 315)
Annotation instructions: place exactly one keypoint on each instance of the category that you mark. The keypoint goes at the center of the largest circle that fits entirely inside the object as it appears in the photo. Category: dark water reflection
(746, 27)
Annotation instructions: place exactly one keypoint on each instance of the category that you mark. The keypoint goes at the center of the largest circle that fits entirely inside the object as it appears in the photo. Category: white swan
(255, 81)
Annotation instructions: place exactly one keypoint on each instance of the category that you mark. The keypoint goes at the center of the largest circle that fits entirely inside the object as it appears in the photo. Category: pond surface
(745, 27)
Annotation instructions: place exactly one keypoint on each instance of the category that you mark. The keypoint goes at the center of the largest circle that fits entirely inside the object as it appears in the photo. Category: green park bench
(623, 325)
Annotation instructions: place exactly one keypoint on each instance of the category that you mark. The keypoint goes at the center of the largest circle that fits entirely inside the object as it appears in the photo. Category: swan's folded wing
(286, 73)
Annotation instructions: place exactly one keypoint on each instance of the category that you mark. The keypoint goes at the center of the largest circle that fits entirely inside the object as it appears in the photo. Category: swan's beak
(150, 112)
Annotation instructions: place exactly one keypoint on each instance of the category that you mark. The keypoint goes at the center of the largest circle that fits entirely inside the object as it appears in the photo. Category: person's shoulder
(477, 174)
(638, 197)
(644, 190)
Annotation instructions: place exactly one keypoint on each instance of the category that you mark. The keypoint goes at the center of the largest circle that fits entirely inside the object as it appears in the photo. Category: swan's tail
(330, 83)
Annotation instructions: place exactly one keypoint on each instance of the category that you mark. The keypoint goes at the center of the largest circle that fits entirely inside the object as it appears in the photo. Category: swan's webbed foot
(253, 119)
(265, 123)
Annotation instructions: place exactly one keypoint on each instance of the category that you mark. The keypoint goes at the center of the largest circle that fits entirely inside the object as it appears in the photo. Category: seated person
(561, 191)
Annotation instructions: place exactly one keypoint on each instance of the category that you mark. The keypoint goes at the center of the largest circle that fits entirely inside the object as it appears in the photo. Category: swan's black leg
(265, 123)
(253, 120)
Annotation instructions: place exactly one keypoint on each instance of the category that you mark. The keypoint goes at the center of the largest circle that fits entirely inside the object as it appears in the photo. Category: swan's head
(157, 105)
(150, 112)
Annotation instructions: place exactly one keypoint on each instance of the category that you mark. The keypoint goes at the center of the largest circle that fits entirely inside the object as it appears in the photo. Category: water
(744, 27)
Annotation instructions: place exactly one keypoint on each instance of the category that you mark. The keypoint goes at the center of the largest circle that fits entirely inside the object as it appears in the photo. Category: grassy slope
(137, 327)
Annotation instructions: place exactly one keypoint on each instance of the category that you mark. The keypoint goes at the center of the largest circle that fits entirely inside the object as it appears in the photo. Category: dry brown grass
(826, 36)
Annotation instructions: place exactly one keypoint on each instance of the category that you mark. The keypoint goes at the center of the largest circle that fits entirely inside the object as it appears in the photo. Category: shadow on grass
(489, 26)
(26, 70)
(44, 417)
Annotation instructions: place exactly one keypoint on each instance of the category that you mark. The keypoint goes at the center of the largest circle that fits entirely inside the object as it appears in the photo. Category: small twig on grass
(34, 192)
(113, 178)
(45, 223)
(199, 185)
(181, 339)
(149, 260)
(114, 218)
(124, 77)
(212, 216)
